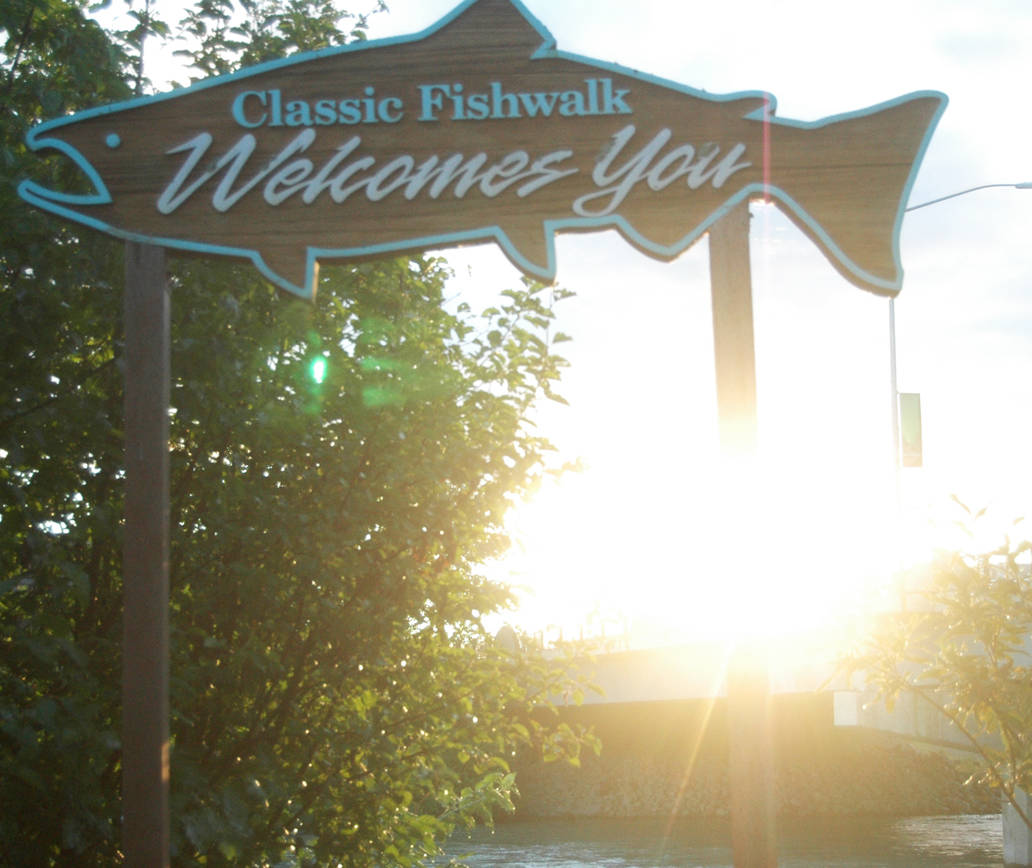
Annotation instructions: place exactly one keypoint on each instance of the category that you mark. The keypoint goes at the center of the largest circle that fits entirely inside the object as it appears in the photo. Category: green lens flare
(318, 370)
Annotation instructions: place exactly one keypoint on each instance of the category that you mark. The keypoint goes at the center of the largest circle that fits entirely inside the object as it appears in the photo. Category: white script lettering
(288, 174)
(684, 161)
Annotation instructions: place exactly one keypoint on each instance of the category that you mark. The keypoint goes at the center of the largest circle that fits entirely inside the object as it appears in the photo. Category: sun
(733, 559)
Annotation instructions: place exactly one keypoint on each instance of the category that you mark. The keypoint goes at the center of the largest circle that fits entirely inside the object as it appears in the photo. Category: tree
(964, 650)
(336, 696)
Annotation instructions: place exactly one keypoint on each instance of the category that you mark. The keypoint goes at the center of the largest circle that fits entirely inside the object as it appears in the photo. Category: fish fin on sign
(502, 25)
(530, 248)
(292, 268)
(850, 201)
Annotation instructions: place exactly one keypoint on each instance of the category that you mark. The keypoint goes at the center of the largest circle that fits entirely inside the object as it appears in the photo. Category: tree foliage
(963, 649)
(225, 35)
(336, 697)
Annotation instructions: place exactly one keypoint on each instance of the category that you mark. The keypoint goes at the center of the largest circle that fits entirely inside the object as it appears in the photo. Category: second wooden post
(751, 765)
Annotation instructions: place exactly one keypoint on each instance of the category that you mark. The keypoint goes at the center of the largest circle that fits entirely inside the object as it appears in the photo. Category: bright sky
(635, 538)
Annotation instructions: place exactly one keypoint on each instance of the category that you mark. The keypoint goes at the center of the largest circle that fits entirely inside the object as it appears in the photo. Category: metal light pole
(1024, 185)
(893, 379)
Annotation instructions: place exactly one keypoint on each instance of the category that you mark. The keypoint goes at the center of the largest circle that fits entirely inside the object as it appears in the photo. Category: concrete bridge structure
(651, 678)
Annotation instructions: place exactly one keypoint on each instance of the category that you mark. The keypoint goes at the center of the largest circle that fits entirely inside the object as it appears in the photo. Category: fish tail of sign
(850, 199)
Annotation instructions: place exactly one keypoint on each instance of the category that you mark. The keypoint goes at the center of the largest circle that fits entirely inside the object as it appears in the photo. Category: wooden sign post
(145, 665)
(750, 743)
(477, 129)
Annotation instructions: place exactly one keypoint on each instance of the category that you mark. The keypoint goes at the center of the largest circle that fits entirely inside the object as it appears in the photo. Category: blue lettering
(370, 106)
(325, 113)
(477, 107)
(614, 102)
(572, 104)
(458, 102)
(592, 84)
(298, 114)
(350, 111)
(432, 100)
(276, 108)
(385, 110)
(503, 105)
(238, 109)
(539, 103)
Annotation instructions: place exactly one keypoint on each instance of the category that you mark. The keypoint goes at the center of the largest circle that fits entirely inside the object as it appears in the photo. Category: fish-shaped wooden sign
(477, 129)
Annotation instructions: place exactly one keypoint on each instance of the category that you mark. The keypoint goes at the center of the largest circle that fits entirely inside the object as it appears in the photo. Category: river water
(922, 842)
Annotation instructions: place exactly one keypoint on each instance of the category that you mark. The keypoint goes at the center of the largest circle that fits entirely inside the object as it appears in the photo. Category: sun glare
(754, 558)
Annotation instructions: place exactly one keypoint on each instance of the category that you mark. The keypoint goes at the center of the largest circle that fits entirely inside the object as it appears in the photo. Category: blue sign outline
(64, 204)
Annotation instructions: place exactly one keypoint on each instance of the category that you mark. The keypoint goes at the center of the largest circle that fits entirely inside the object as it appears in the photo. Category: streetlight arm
(1025, 185)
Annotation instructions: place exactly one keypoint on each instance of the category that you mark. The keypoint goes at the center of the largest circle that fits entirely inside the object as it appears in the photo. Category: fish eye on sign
(477, 129)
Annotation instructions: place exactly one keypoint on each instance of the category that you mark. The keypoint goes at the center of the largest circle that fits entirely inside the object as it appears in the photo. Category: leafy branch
(962, 649)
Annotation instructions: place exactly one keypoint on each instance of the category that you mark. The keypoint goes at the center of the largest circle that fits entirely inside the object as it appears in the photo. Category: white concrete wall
(696, 671)
(1017, 838)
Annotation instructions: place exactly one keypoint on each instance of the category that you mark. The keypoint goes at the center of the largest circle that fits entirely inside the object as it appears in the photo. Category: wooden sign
(477, 129)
